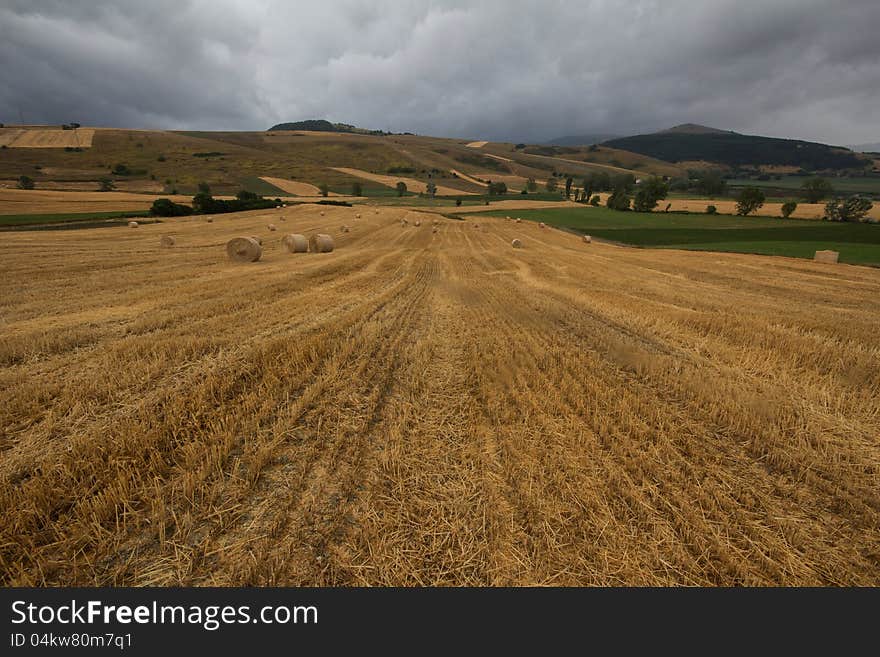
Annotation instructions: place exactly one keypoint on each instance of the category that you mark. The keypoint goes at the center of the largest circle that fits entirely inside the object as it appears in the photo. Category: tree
(164, 207)
(711, 209)
(401, 188)
(551, 184)
(121, 169)
(855, 208)
(25, 182)
(649, 193)
(595, 200)
(204, 188)
(710, 183)
(106, 185)
(815, 189)
(750, 199)
(357, 189)
(531, 185)
(245, 195)
(325, 190)
(568, 182)
(497, 188)
(787, 208)
(619, 199)
(458, 202)
(432, 188)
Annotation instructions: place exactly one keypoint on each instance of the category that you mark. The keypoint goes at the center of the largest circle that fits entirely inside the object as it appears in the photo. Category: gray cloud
(523, 70)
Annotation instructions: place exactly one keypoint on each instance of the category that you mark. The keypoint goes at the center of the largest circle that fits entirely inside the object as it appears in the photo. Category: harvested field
(418, 408)
(45, 201)
(476, 144)
(412, 184)
(296, 187)
(47, 138)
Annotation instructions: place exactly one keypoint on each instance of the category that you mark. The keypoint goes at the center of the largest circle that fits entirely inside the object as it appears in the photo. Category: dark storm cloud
(494, 70)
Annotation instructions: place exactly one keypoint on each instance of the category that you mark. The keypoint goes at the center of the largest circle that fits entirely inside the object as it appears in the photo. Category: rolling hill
(581, 140)
(691, 142)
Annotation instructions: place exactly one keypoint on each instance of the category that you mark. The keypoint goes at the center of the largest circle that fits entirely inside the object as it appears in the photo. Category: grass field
(844, 185)
(424, 408)
(857, 243)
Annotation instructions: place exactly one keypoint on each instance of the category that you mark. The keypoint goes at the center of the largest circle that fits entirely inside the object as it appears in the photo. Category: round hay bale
(132, 224)
(322, 213)
(357, 216)
(344, 229)
(295, 243)
(166, 241)
(434, 229)
(518, 220)
(272, 227)
(516, 244)
(321, 243)
(588, 239)
(210, 220)
(542, 225)
(477, 226)
(257, 239)
(377, 212)
(418, 222)
(244, 249)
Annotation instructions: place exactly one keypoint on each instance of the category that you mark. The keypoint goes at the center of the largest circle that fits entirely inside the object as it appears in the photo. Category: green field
(73, 217)
(842, 185)
(857, 243)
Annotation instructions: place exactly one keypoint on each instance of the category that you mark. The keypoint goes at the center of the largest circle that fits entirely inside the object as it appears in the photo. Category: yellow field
(412, 184)
(296, 187)
(476, 144)
(46, 201)
(46, 138)
(418, 408)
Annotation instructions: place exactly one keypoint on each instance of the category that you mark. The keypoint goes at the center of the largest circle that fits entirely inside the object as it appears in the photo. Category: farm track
(431, 409)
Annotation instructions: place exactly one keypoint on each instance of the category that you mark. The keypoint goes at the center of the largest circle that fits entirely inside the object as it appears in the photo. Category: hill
(581, 140)
(321, 125)
(690, 142)
(866, 148)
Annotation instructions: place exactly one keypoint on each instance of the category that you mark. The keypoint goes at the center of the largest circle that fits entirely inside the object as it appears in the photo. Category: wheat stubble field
(422, 408)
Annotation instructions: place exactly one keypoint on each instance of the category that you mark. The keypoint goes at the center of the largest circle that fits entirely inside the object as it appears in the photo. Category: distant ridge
(322, 125)
(581, 140)
(692, 142)
(866, 148)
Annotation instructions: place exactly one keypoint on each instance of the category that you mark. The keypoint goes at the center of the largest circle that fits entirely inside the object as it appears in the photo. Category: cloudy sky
(500, 70)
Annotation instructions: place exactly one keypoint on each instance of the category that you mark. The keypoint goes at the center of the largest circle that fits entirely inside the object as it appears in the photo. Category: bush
(750, 199)
(121, 169)
(401, 170)
(25, 182)
(209, 154)
(161, 158)
(711, 209)
(787, 208)
(458, 202)
(551, 183)
(401, 188)
(855, 208)
(619, 199)
(106, 185)
(815, 189)
(497, 189)
(325, 190)
(357, 189)
(164, 207)
(595, 200)
(204, 188)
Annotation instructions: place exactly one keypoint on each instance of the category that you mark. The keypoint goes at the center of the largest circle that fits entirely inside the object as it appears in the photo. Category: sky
(510, 70)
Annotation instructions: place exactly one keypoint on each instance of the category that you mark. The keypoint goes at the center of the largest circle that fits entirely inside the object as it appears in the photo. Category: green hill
(691, 143)
(320, 125)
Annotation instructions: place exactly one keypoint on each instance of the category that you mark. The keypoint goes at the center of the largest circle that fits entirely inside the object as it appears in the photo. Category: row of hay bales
(250, 249)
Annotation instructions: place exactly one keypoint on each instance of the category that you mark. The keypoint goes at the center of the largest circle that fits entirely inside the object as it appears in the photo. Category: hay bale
(377, 212)
(518, 220)
(357, 216)
(320, 243)
(418, 222)
(542, 225)
(257, 239)
(295, 243)
(132, 224)
(516, 244)
(166, 241)
(826, 256)
(434, 229)
(322, 213)
(344, 228)
(244, 249)
(210, 220)
(272, 227)
(588, 239)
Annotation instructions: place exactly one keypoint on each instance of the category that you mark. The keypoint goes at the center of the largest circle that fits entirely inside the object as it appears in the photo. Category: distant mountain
(581, 140)
(694, 142)
(320, 125)
(694, 129)
(866, 148)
